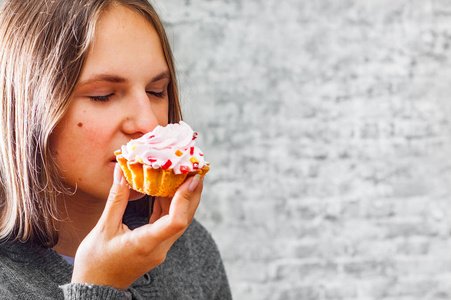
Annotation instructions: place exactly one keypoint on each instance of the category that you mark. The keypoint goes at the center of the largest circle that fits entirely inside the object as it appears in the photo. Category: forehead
(120, 16)
(124, 41)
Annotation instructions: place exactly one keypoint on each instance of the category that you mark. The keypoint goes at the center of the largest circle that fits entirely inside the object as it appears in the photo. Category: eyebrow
(103, 77)
(118, 79)
(162, 75)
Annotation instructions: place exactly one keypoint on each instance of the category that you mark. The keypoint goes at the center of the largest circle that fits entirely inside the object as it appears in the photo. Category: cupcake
(157, 163)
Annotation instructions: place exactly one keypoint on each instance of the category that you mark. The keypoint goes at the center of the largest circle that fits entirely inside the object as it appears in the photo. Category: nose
(140, 116)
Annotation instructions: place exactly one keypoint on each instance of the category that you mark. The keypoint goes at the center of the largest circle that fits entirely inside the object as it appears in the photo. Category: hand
(113, 255)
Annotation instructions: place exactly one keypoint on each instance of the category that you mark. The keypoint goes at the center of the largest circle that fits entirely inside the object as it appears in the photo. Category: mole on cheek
(80, 124)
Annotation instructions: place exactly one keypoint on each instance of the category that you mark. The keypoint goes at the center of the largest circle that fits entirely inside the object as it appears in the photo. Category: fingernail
(194, 182)
(117, 174)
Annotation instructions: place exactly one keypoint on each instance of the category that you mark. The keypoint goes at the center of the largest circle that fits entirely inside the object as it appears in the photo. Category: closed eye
(101, 98)
(157, 94)
(106, 98)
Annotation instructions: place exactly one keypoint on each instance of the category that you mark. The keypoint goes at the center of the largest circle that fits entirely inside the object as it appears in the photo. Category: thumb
(117, 199)
(186, 200)
(181, 212)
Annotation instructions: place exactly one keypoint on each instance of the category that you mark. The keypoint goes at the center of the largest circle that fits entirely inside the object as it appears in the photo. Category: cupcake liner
(154, 182)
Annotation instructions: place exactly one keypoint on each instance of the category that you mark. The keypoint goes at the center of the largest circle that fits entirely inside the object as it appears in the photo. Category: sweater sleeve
(213, 277)
(222, 288)
(84, 291)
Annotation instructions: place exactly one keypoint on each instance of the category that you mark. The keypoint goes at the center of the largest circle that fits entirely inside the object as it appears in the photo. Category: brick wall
(327, 124)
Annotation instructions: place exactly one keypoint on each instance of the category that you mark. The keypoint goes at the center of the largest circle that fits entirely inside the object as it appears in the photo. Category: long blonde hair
(43, 45)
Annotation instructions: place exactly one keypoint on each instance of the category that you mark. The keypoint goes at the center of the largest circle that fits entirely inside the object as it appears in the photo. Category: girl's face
(121, 94)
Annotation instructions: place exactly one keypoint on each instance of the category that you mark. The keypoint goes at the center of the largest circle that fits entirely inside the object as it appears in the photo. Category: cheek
(161, 112)
(80, 152)
(78, 140)
(90, 138)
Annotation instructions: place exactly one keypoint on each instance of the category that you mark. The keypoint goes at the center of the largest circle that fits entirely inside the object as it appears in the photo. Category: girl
(78, 80)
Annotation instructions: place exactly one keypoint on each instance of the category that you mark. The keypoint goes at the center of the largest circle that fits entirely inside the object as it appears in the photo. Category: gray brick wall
(327, 126)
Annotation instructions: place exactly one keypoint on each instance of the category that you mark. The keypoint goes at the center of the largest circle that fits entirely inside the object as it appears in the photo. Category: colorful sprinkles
(184, 169)
(174, 158)
(167, 165)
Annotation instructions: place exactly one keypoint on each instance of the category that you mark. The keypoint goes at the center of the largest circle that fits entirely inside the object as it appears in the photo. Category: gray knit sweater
(192, 270)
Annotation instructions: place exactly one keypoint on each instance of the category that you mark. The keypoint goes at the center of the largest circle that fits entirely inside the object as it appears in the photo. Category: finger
(181, 212)
(117, 200)
(195, 198)
(185, 202)
(188, 202)
(165, 204)
(157, 210)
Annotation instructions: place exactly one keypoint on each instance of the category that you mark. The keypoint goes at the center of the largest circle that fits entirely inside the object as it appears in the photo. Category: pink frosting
(169, 147)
